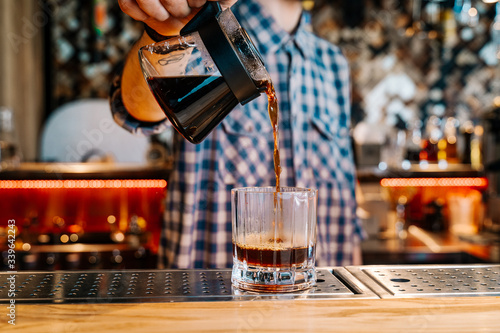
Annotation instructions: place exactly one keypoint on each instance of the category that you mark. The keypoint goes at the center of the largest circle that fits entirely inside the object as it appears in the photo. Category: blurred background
(425, 74)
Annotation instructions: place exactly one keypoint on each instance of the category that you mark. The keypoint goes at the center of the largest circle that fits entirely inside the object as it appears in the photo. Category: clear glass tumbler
(274, 238)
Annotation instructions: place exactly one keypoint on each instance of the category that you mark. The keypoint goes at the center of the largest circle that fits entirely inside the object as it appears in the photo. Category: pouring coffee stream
(274, 117)
(273, 110)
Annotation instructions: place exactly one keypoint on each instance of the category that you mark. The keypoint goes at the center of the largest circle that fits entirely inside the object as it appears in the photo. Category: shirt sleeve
(123, 118)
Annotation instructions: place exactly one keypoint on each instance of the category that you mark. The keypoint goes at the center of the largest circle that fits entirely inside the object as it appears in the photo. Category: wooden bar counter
(383, 310)
(460, 314)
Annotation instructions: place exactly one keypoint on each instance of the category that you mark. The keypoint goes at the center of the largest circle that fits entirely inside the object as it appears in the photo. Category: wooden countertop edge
(439, 314)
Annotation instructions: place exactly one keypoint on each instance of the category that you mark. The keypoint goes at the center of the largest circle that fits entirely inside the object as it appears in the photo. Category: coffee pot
(199, 76)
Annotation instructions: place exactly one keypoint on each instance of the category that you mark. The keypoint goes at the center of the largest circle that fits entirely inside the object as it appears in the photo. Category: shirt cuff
(123, 118)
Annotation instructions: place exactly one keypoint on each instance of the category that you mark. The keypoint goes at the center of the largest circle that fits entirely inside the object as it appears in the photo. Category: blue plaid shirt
(311, 78)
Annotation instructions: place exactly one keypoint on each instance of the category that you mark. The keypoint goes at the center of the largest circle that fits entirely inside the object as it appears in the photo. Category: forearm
(136, 96)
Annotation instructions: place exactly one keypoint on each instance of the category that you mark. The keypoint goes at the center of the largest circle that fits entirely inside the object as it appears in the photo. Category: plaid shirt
(311, 78)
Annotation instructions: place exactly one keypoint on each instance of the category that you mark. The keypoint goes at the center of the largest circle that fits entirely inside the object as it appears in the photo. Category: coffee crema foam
(267, 241)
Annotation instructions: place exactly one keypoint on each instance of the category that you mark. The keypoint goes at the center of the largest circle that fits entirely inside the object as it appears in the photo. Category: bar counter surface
(471, 314)
(393, 298)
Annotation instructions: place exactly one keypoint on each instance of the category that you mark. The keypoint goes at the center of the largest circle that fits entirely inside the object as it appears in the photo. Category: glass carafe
(199, 76)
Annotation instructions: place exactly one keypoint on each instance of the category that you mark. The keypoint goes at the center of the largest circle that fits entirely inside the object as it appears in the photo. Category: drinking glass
(274, 238)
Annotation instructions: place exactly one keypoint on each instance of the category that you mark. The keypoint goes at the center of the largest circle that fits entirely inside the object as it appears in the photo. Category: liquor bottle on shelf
(450, 136)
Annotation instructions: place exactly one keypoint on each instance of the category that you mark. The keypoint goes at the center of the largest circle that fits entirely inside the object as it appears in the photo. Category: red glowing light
(434, 182)
(94, 184)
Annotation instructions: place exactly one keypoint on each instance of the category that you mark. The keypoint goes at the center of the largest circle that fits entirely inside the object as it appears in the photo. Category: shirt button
(249, 128)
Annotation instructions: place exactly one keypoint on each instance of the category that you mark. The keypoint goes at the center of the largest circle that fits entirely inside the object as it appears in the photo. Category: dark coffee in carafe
(199, 76)
(194, 104)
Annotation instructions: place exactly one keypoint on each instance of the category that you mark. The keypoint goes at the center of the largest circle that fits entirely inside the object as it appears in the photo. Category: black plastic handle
(207, 13)
(224, 56)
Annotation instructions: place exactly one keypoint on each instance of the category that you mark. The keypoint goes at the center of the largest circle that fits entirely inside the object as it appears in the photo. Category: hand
(167, 17)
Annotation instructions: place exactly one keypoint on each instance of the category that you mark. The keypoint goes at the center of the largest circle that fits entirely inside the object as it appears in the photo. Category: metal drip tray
(163, 286)
(430, 281)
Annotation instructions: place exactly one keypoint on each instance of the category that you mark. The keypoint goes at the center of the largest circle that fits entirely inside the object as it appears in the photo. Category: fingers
(177, 8)
(131, 8)
(196, 3)
(154, 8)
(142, 10)
(156, 11)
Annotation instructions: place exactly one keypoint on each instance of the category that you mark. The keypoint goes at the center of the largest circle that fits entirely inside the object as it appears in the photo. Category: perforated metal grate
(431, 281)
(158, 285)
